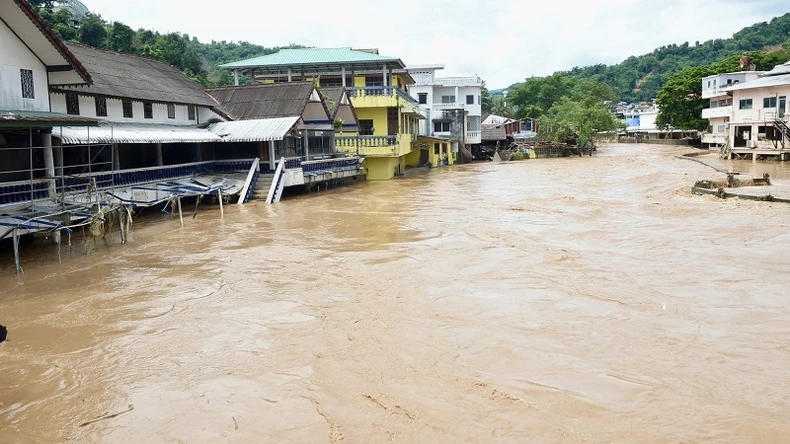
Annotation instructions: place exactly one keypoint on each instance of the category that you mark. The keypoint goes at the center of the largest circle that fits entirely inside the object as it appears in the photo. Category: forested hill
(196, 59)
(640, 78)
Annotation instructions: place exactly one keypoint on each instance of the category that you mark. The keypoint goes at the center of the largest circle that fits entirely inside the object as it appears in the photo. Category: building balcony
(721, 111)
(375, 146)
(473, 137)
(717, 138)
(380, 97)
(714, 92)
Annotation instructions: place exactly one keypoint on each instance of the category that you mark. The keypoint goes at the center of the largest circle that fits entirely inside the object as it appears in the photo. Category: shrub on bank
(518, 155)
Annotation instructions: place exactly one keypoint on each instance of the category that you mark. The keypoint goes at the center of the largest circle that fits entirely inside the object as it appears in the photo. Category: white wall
(115, 111)
(757, 113)
(14, 56)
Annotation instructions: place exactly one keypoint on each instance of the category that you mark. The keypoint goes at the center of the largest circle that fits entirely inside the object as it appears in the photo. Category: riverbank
(576, 299)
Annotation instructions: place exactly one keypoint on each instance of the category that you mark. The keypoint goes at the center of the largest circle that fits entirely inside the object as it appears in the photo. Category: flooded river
(554, 300)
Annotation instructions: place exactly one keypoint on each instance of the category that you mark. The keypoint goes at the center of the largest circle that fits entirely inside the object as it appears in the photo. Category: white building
(452, 105)
(715, 88)
(32, 59)
(748, 111)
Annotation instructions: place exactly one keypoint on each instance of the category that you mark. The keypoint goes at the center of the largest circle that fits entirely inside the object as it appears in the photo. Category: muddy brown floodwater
(559, 300)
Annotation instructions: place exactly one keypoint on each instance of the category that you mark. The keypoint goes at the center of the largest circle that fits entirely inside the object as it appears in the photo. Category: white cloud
(503, 41)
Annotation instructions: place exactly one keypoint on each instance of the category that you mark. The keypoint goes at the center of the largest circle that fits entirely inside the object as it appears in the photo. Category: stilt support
(221, 208)
(15, 241)
(180, 214)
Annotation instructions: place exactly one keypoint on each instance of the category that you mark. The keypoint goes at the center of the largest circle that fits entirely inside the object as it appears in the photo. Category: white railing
(473, 135)
(721, 111)
(276, 188)
(714, 92)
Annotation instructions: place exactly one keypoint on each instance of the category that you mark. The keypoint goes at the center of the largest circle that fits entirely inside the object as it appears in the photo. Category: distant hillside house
(75, 8)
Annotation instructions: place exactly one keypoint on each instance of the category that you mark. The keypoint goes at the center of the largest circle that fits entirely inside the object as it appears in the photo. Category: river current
(588, 299)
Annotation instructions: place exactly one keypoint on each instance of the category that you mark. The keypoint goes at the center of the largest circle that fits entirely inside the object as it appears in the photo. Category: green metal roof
(314, 57)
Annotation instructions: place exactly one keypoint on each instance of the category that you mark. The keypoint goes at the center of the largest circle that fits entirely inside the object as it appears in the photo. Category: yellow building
(387, 116)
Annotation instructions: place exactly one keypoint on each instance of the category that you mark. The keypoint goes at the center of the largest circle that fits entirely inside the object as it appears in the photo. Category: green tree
(538, 94)
(121, 38)
(580, 117)
(486, 100)
(93, 31)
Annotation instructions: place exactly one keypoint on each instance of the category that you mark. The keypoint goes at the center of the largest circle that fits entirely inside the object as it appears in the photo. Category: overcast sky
(503, 41)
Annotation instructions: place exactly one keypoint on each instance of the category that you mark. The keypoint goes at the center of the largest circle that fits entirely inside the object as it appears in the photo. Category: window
(128, 111)
(148, 110)
(441, 126)
(101, 106)
(769, 102)
(191, 112)
(374, 80)
(171, 111)
(28, 92)
(331, 82)
(448, 99)
(72, 103)
(422, 98)
(470, 100)
(366, 127)
(721, 129)
(745, 104)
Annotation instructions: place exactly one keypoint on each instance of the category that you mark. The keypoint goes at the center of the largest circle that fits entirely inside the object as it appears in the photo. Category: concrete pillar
(159, 154)
(457, 99)
(290, 77)
(272, 145)
(385, 76)
(306, 145)
(49, 161)
(343, 73)
(236, 77)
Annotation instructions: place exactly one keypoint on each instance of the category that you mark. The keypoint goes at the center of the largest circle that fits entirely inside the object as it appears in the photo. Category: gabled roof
(36, 34)
(138, 78)
(315, 56)
(334, 98)
(265, 101)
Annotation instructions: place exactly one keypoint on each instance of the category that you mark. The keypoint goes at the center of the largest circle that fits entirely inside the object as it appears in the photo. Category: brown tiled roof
(264, 101)
(42, 25)
(135, 77)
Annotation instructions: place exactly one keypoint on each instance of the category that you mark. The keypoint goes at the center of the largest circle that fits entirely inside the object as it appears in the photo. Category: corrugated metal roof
(312, 56)
(131, 133)
(135, 77)
(42, 119)
(263, 101)
(260, 130)
(493, 133)
(762, 82)
(779, 69)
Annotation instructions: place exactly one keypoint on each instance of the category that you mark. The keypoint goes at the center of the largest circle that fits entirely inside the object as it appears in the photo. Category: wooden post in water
(221, 209)
(121, 221)
(15, 241)
(180, 214)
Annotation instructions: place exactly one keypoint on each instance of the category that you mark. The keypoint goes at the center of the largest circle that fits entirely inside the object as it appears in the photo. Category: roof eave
(54, 39)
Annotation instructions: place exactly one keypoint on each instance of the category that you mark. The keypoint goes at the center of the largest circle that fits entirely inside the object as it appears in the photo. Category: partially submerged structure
(285, 122)
(33, 60)
(388, 117)
(748, 112)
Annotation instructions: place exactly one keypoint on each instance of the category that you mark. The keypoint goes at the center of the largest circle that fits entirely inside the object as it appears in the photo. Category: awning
(41, 119)
(260, 130)
(131, 133)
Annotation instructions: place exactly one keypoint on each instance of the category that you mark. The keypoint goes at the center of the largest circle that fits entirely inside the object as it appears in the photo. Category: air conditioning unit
(751, 144)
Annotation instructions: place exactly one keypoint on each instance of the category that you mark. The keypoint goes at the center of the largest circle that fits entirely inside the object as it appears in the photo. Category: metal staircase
(278, 183)
(780, 125)
(249, 184)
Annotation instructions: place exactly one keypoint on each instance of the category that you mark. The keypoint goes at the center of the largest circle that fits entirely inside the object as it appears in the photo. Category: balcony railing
(473, 135)
(721, 111)
(378, 91)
